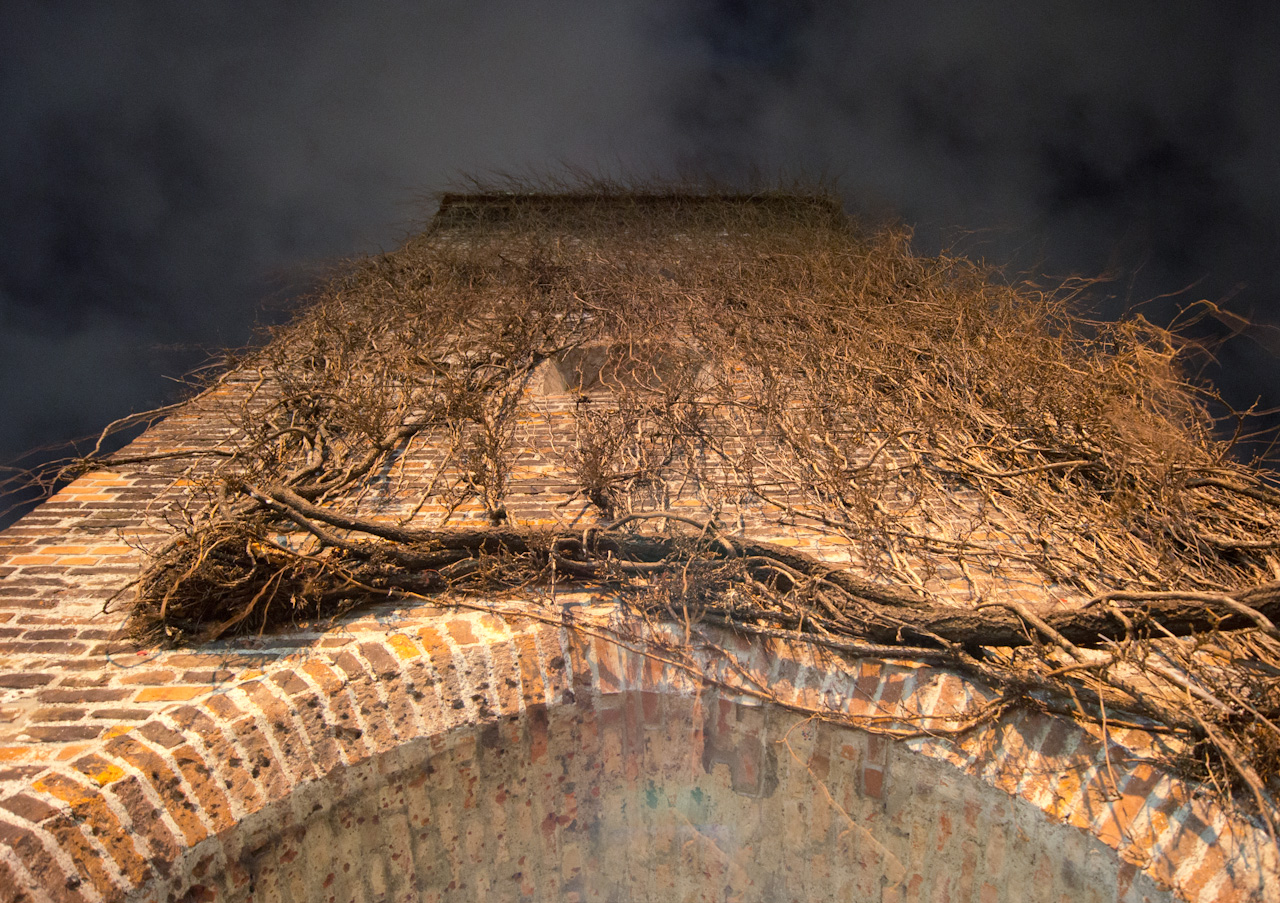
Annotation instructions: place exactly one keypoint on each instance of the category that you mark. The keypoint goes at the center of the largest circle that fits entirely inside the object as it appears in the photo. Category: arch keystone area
(699, 633)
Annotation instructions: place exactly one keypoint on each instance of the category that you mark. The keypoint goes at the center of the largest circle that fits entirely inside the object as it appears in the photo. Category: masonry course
(414, 751)
(193, 744)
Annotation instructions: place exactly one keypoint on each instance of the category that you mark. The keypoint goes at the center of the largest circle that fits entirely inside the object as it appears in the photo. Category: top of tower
(594, 209)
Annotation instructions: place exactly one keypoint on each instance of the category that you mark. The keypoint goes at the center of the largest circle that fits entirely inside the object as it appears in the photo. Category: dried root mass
(994, 480)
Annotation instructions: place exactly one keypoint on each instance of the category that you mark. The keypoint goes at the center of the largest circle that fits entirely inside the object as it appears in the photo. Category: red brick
(28, 807)
(89, 808)
(85, 694)
(530, 670)
(169, 786)
(24, 679)
(64, 733)
(277, 718)
(28, 849)
(58, 713)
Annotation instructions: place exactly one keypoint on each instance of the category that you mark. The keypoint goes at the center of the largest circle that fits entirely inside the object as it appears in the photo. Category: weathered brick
(83, 694)
(88, 807)
(28, 807)
(228, 762)
(277, 718)
(58, 713)
(64, 733)
(18, 680)
(169, 786)
(162, 844)
(31, 853)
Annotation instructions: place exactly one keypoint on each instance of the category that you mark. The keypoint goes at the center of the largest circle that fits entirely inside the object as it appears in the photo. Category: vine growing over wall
(998, 482)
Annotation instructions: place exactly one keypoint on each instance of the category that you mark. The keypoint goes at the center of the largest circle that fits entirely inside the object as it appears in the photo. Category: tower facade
(651, 546)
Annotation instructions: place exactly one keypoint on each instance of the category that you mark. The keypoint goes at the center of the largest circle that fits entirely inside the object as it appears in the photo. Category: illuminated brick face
(412, 752)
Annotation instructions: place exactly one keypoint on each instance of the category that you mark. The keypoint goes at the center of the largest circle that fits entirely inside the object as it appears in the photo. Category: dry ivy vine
(953, 433)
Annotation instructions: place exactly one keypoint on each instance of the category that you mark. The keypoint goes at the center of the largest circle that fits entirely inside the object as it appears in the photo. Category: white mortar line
(383, 697)
(324, 698)
(194, 803)
(10, 858)
(245, 702)
(55, 850)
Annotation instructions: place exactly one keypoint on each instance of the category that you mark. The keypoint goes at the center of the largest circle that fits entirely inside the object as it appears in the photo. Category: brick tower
(649, 546)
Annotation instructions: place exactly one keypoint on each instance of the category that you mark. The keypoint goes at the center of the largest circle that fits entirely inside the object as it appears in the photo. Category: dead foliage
(1018, 492)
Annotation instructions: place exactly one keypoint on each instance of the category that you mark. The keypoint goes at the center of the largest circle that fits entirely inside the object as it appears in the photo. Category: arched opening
(651, 796)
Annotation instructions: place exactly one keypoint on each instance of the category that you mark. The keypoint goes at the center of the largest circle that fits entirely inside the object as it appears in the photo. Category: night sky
(171, 173)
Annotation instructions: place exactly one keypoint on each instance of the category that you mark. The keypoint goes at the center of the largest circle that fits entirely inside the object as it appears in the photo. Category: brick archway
(463, 754)
(244, 767)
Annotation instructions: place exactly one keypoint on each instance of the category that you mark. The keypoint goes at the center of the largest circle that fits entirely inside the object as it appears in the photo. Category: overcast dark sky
(166, 169)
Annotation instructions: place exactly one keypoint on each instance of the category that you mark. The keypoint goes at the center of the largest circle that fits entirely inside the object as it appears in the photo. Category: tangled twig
(949, 444)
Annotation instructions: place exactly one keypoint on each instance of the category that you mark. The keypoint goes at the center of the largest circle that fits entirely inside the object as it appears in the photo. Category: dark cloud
(164, 169)
(1135, 138)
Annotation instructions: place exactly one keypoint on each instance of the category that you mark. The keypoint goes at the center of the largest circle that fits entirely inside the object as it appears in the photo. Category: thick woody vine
(983, 477)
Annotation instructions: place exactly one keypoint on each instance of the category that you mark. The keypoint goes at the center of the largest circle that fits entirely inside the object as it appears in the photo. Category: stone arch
(462, 756)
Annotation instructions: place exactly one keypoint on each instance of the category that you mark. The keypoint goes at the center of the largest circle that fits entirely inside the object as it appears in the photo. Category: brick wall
(418, 753)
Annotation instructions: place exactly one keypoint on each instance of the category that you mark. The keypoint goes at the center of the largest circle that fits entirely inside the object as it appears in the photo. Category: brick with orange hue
(404, 647)
(200, 782)
(437, 647)
(168, 785)
(170, 694)
(1114, 827)
(117, 730)
(536, 732)
(70, 837)
(99, 770)
(532, 688)
(329, 680)
(88, 806)
(33, 559)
